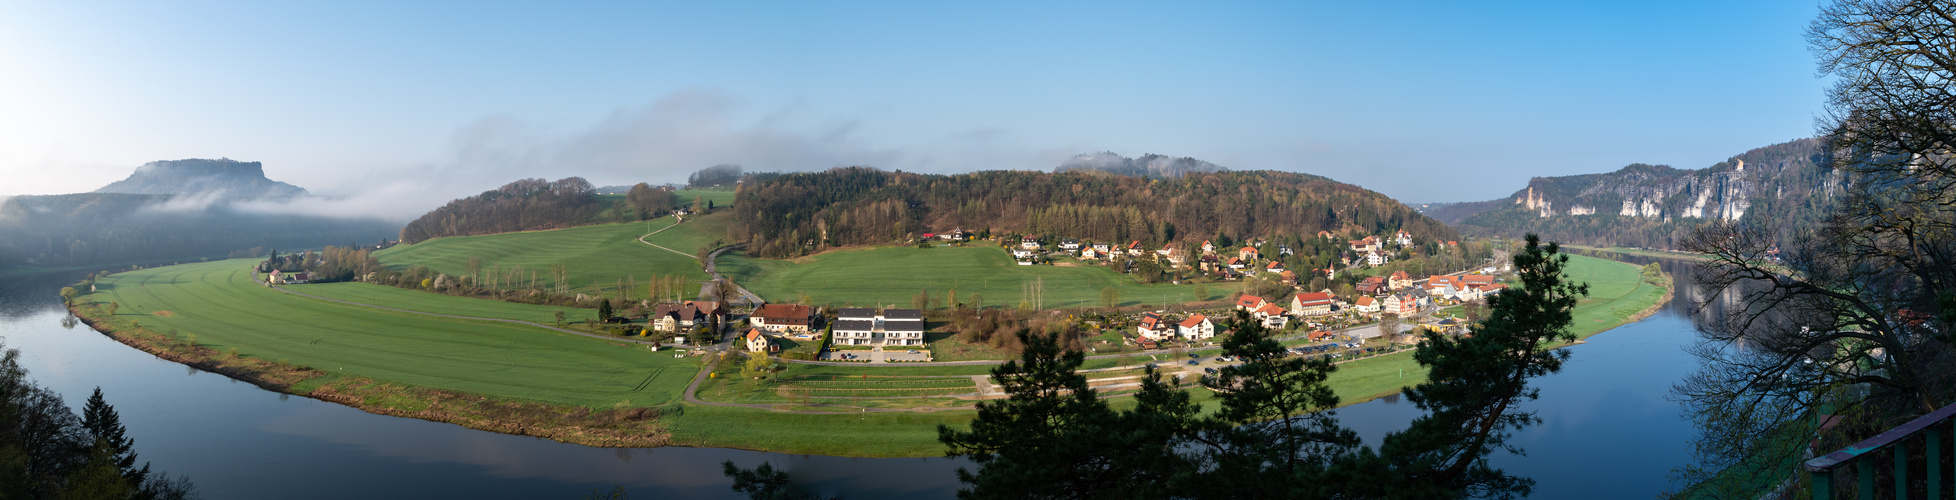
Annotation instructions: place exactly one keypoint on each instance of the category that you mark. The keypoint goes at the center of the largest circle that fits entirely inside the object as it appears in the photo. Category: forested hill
(1783, 186)
(105, 228)
(524, 205)
(225, 176)
(798, 214)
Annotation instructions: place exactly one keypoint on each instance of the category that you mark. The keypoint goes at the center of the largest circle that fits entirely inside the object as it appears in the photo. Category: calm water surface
(1607, 431)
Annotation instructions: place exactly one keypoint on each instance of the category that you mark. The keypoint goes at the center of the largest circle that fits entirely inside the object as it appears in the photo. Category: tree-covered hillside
(799, 214)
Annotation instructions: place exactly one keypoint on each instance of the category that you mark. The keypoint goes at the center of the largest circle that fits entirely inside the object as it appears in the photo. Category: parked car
(1211, 370)
(1194, 362)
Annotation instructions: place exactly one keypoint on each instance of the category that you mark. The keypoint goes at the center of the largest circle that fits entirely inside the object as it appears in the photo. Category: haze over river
(1607, 430)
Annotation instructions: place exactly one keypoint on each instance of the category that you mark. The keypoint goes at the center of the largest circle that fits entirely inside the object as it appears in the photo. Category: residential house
(1249, 302)
(1029, 243)
(1288, 277)
(1366, 305)
(1377, 258)
(1369, 244)
(902, 326)
(1207, 247)
(1403, 239)
(1311, 304)
(1402, 304)
(757, 342)
(1372, 285)
(683, 316)
(1021, 253)
(1272, 315)
(853, 326)
(1196, 327)
(1441, 289)
(1275, 267)
(1069, 244)
(1103, 248)
(1399, 280)
(1134, 249)
(1177, 257)
(1285, 250)
(1088, 254)
(1235, 263)
(1248, 254)
(1152, 327)
(1477, 279)
(782, 317)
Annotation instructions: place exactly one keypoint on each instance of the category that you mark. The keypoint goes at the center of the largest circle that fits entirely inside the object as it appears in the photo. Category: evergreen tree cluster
(46, 452)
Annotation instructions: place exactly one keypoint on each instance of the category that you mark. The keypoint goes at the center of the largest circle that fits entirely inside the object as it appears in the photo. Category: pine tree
(102, 423)
(604, 309)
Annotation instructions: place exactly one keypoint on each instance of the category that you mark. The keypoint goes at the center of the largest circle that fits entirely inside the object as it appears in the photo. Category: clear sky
(418, 102)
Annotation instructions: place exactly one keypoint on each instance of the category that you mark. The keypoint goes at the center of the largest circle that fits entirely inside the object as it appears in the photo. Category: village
(1385, 311)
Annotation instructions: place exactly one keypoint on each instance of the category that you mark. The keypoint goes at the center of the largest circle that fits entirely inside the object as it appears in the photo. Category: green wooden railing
(1934, 441)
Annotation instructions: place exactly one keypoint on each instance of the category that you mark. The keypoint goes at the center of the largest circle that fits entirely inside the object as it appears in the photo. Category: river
(1607, 430)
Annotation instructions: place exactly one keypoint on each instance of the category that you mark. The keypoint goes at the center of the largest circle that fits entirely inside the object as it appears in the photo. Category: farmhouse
(684, 316)
(1196, 327)
(782, 318)
(1069, 244)
(1311, 304)
(757, 342)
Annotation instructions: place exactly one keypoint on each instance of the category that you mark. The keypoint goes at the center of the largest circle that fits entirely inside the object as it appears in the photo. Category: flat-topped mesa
(200, 176)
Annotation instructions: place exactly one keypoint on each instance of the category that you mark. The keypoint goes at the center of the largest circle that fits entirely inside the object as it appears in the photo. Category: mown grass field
(596, 256)
(218, 303)
(1616, 292)
(893, 275)
(416, 300)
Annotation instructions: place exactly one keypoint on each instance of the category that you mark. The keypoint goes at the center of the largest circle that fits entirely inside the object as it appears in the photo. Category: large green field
(595, 256)
(1616, 292)
(893, 275)
(416, 300)
(218, 303)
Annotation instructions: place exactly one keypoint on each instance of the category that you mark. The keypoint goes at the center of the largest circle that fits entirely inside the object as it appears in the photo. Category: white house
(1069, 244)
(1154, 328)
(1272, 315)
(1376, 258)
(756, 342)
(1196, 327)
(1029, 243)
(853, 326)
(1310, 304)
(1021, 253)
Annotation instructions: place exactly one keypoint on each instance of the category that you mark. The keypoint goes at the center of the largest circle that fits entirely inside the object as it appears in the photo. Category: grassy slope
(893, 275)
(217, 302)
(594, 254)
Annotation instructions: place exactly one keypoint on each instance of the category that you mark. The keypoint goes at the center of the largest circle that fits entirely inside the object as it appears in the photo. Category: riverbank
(613, 427)
(524, 380)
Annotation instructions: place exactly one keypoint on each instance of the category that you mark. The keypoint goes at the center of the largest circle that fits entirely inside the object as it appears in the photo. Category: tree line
(797, 214)
(523, 205)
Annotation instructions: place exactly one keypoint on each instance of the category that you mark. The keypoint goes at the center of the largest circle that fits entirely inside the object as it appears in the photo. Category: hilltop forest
(798, 214)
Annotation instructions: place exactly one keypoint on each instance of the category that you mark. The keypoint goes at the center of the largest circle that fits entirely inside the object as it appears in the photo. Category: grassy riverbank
(527, 380)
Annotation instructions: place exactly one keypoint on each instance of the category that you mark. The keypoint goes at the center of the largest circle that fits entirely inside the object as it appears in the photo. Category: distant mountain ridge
(196, 176)
(1148, 165)
(1784, 186)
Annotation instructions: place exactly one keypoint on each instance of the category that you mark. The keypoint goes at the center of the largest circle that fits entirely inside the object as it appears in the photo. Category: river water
(1607, 430)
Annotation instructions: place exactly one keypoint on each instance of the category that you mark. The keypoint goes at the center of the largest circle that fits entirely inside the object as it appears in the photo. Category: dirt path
(641, 239)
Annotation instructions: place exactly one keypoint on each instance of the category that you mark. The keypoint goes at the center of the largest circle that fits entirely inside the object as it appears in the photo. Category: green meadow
(594, 256)
(218, 303)
(894, 275)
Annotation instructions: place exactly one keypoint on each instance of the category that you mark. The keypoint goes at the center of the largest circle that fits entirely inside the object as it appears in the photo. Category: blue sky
(1423, 101)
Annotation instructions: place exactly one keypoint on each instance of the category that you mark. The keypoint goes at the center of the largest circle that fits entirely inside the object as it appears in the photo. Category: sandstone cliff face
(1632, 205)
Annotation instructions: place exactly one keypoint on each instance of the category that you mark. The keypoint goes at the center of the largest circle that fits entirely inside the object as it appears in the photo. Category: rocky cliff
(1782, 185)
(224, 176)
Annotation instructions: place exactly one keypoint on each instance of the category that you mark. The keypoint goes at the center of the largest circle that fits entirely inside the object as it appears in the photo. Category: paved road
(712, 260)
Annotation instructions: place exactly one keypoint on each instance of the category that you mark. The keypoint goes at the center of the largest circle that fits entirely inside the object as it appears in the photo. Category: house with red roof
(1311, 304)
(1196, 327)
(1272, 315)
(782, 317)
